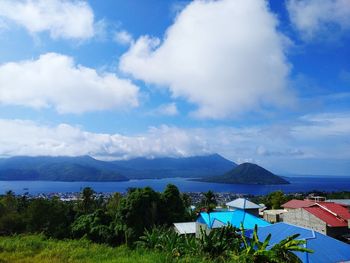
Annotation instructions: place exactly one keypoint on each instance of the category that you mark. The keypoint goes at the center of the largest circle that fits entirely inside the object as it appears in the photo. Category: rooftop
(298, 203)
(242, 203)
(186, 227)
(326, 249)
(235, 218)
(334, 215)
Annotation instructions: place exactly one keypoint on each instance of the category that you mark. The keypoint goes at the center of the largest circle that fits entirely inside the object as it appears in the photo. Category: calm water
(298, 184)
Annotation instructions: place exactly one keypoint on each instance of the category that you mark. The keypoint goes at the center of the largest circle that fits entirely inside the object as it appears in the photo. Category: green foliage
(52, 217)
(173, 206)
(208, 201)
(257, 251)
(141, 220)
(33, 249)
(95, 226)
(138, 211)
(88, 202)
(219, 242)
(113, 204)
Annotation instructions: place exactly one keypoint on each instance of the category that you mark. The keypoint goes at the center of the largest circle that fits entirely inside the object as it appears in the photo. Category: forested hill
(247, 173)
(197, 166)
(82, 168)
(86, 168)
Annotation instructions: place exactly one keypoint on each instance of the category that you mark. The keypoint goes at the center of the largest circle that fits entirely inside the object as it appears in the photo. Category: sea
(297, 185)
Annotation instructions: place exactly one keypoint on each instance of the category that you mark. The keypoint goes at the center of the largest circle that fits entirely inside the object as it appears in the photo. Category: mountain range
(86, 168)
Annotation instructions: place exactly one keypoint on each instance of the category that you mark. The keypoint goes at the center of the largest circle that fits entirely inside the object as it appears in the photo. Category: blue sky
(253, 80)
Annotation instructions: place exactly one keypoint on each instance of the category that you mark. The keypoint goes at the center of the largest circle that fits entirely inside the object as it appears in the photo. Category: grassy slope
(36, 248)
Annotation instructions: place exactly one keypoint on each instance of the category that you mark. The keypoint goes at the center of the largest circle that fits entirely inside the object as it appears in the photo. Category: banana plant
(256, 251)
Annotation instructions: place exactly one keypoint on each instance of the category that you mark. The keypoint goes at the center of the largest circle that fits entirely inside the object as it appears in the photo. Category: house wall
(272, 218)
(301, 217)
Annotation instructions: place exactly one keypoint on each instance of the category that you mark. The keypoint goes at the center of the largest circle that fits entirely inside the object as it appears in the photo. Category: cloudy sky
(253, 80)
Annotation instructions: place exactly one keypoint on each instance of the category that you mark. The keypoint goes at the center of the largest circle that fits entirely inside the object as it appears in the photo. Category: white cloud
(20, 137)
(55, 80)
(169, 109)
(123, 37)
(314, 18)
(218, 56)
(61, 18)
(323, 125)
(269, 146)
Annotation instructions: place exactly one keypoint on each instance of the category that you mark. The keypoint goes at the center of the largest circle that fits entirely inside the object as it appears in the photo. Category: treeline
(113, 221)
(142, 219)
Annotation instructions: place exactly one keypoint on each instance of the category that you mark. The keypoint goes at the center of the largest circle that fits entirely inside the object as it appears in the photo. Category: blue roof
(235, 218)
(326, 249)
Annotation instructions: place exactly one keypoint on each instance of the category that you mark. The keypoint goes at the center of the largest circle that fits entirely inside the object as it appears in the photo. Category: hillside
(247, 173)
(192, 167)
(57, 169)
(86, 168)
(37, 248)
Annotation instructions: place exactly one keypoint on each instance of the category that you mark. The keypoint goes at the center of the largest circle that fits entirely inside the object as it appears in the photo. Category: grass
(37, 248)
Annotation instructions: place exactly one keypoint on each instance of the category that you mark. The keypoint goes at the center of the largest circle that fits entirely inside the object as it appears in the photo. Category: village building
(273, 215)
(331, 219)
(245, 205)
(237, 218)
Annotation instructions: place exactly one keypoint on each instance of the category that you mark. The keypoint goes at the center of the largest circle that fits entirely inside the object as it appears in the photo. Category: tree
(87, 204)
(113, 204)
(275, 199)
(209, 200)
(96, 226)
(174, 209)
(137, 212)
(52, 217)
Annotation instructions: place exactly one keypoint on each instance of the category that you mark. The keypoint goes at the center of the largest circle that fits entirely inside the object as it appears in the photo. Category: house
(244, 204)
(328, 218)
(326, 249)
(274, 215)
(295, 204)
(208, 221)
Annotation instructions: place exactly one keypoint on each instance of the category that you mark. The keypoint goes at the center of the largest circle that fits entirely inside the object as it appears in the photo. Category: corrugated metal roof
(242, 203)
(186, 227)
(327, 216)
(235, 218)
(298, 203)
(326, 249)
(340, 201)
(338, 209)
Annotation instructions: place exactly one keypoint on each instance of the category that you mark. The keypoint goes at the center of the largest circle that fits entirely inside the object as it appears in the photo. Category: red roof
(298, 203)
(333, 214)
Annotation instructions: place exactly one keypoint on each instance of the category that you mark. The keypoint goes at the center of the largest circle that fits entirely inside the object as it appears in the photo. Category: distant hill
(86, 168)
(247, 173)
(192, 167)
(82, 168)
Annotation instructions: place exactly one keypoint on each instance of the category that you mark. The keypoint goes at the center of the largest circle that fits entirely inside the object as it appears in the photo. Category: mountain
(192, 167)
(247, 173)
(86, 168)
(83, 168)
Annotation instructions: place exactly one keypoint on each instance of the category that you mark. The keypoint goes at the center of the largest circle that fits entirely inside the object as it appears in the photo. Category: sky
(256, 81)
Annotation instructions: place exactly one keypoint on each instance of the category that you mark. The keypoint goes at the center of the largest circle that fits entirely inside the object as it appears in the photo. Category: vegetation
(86, 168)
(130, 226)
(38, 248)
(247, 173)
